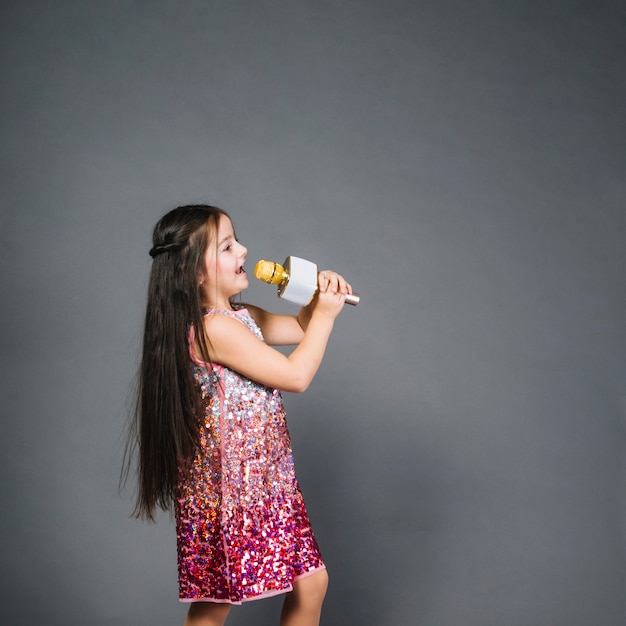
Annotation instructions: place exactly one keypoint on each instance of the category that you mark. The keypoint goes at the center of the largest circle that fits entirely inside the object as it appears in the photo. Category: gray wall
(462, 448)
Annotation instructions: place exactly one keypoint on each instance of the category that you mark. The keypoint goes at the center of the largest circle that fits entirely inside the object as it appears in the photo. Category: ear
(201, 277)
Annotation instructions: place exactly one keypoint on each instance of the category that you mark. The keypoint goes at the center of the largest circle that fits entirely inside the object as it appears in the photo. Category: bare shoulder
(228, 337)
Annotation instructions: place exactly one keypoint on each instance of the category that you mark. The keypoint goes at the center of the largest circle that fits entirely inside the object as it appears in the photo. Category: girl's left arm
(281, 330)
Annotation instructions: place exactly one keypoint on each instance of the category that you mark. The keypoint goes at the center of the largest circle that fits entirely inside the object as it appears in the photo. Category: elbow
(301, 387)
(298, 385)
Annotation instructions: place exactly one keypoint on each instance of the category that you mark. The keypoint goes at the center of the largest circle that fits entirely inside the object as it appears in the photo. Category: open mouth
(241, 270)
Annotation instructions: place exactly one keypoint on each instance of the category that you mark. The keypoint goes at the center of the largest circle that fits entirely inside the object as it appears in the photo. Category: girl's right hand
(331, 294)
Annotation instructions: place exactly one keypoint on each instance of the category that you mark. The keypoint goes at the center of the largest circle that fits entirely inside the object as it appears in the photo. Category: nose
(244, 250)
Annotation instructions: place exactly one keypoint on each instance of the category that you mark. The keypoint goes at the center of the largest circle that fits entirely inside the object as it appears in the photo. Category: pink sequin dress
(242, 528)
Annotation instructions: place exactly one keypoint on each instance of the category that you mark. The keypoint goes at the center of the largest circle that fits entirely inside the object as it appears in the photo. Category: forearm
(304, 316)
(307, 357)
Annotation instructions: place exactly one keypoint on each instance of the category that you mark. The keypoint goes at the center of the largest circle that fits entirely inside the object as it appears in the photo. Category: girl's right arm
(236, 347)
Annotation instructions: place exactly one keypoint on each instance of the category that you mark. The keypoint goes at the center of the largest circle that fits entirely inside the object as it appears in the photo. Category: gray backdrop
(462, 448)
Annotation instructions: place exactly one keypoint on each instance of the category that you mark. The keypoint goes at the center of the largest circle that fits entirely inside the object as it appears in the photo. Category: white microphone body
(296, 280)
(301, 285)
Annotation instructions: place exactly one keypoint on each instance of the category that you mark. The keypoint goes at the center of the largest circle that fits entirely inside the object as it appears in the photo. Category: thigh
(207, 614)
(312, 588)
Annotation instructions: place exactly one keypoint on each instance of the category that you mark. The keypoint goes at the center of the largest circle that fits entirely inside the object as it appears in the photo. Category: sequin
(242, 528)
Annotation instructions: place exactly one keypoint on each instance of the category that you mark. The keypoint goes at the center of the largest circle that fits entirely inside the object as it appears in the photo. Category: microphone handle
(353, 298)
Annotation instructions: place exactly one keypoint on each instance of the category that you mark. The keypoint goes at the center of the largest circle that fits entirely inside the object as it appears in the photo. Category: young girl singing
(210, 426)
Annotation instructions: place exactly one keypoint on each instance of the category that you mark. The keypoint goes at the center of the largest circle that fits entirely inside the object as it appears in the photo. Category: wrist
(322, 316)
(304, 317)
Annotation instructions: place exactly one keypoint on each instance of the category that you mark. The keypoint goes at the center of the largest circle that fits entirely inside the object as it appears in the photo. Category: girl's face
(224, 275)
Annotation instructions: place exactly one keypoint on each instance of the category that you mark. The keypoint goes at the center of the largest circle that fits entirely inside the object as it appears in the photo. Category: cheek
(209, 271)
(217, 269)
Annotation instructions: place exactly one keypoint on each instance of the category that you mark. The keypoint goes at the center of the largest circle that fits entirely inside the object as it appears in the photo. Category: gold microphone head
(270, 272)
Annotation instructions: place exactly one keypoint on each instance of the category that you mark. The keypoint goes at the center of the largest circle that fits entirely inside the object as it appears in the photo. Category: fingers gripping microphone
(297, 280)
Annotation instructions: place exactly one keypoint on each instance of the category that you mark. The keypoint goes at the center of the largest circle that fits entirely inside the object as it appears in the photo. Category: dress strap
(241, 314)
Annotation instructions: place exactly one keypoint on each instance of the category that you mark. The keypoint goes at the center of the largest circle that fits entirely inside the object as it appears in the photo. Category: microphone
(296, 280)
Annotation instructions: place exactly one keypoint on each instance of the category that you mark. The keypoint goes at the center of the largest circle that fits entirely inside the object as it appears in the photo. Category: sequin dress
(242, 528)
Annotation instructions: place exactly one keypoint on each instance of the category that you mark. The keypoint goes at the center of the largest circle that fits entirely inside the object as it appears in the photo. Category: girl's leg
(207, 614)
(303, 605)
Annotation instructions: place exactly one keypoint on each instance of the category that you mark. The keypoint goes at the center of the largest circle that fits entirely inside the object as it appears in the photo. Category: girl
(210, 427)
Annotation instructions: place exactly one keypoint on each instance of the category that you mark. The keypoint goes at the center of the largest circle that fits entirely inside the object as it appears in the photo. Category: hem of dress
(261, 596)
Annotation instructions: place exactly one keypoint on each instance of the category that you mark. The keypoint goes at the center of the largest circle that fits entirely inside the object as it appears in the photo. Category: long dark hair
(164, 428)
